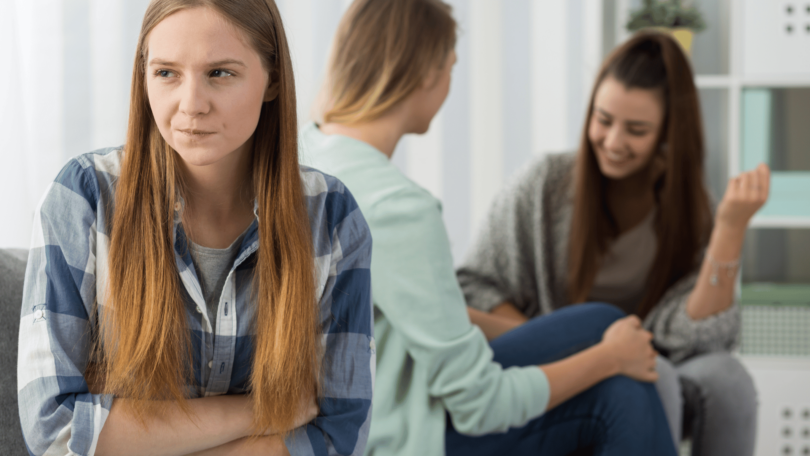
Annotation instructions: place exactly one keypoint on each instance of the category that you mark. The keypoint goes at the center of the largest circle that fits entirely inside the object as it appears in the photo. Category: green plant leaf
(666, 13)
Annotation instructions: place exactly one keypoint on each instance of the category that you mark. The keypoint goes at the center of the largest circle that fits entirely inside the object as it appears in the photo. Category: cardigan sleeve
(679, 337)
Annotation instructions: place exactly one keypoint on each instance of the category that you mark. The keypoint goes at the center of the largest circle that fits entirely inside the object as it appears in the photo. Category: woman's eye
(637, 132)
(164, 73)
(604, 122)
(220, 73)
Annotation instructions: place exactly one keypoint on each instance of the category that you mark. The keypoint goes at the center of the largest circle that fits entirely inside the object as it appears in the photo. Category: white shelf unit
(784, 418)
(782, 383)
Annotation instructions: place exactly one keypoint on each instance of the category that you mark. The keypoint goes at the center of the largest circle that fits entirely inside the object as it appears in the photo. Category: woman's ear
(272, 87)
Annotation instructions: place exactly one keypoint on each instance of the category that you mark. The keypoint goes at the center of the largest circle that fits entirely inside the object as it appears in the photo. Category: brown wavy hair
(651, 61)
(146, 349)
(383, 50)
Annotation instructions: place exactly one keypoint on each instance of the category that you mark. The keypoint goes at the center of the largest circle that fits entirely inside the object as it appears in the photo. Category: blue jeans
(617, 416)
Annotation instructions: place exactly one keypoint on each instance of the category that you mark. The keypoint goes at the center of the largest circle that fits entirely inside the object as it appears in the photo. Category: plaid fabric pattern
(67, 270)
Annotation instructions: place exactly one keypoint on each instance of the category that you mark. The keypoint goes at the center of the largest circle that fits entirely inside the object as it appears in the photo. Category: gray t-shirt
(622, 276)
(213, 266)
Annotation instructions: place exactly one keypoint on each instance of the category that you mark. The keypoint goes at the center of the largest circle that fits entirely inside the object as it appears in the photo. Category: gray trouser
(710, 398)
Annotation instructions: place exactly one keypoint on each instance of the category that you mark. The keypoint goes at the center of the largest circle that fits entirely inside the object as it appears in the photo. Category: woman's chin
(617, 171)
(199, 156)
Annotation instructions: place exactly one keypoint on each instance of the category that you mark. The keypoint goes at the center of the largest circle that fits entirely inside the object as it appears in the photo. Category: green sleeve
(415, 287)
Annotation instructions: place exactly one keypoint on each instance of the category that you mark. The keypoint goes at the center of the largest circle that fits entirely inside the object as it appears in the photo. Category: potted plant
(670, 16)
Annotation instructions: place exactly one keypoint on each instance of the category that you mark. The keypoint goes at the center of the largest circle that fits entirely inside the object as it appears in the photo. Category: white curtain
(519, 89)
(64, 92)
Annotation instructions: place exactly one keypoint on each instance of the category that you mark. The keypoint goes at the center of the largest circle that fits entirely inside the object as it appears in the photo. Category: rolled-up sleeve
(680, 337)
(349, 348)
(57, 412)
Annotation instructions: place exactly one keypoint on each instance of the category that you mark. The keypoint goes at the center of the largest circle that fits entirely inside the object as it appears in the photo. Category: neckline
(322, 137)
(645, 222)
(210, 251)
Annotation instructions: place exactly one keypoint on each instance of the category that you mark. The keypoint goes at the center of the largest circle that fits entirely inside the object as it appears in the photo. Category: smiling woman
(179, 298)
(627, 221)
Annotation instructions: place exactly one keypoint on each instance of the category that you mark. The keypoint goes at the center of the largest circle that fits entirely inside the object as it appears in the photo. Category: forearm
(212, 422)
(714, 290)
(492, 325)
(263, 446)
(578, 372)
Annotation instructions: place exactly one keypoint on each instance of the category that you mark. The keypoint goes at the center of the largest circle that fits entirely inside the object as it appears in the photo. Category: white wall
(519, 89)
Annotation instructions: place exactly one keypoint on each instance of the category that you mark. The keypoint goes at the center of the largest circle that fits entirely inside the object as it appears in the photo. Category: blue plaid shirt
(68, 265)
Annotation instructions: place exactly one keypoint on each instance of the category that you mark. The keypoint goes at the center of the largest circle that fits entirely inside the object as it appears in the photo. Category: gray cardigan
(521, 256)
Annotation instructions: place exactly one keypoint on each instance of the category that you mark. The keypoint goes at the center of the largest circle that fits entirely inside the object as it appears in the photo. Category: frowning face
(206, 86)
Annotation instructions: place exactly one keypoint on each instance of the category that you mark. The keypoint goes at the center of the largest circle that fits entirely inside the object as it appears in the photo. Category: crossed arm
(217, 425)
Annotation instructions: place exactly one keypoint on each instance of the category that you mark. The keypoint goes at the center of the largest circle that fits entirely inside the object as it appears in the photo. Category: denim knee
(632, 410)
(627, 397)
(605, 313)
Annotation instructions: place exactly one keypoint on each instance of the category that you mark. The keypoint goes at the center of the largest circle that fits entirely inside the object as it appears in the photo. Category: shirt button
(38, 314)
(177, 206)
(199, 311)
(210, 364)
(372, 345)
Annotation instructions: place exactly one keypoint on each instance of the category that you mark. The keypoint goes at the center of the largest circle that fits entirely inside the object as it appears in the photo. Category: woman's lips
(616, 158)
(196, 134)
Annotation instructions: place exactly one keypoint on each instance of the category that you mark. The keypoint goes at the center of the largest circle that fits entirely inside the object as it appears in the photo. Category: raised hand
(744, 196)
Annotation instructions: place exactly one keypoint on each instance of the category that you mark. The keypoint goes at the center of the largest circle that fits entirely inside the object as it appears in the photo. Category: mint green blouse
(430, 358)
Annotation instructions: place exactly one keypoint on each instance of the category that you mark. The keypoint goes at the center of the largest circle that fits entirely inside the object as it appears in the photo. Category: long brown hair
(383, 51)
(146, 354)
(647, 61)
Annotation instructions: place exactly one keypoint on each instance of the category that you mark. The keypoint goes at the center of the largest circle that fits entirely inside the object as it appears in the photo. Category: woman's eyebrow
(631, 123)
(161, 62)
(227, 62)
(638, 123)
(604, 113)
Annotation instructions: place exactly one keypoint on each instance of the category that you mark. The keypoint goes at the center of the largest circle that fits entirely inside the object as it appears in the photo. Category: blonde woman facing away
(196, 291)
(439, 382)
(627, 221)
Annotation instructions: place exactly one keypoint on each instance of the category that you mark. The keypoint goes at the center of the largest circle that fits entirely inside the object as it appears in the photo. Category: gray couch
(12, 272)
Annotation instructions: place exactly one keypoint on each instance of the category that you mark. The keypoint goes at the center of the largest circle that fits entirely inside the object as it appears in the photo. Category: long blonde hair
(146, 349)
(383, 51)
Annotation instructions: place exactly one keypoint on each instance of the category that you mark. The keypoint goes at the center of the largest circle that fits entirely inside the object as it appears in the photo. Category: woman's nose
(193, 99)
(614, 138)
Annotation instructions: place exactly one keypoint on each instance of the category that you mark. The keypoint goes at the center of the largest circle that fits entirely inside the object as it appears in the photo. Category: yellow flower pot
(682, 35)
